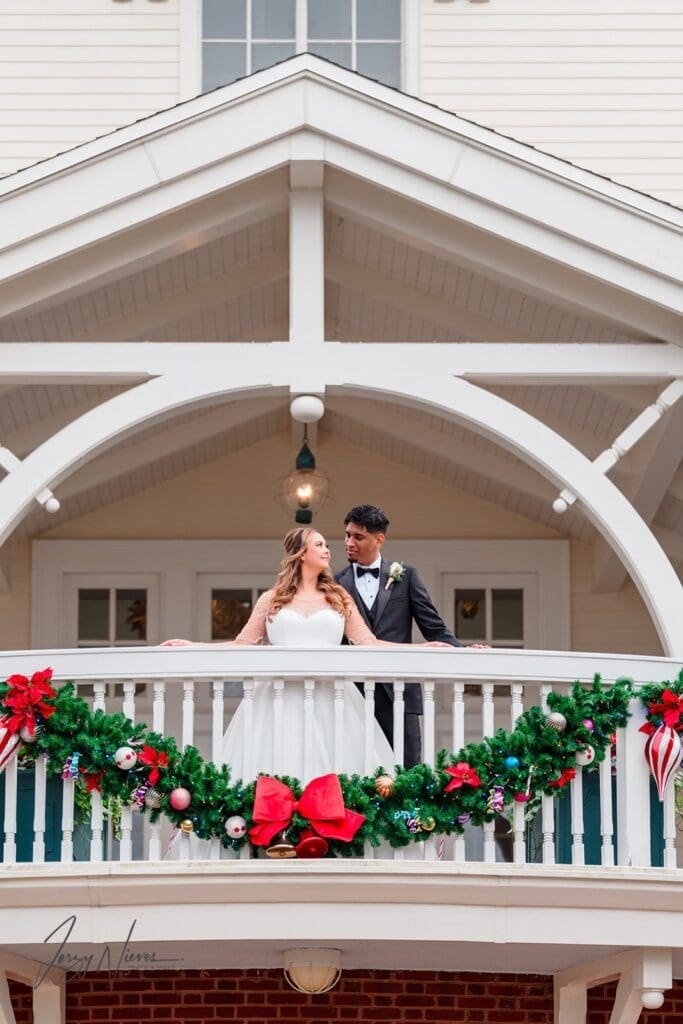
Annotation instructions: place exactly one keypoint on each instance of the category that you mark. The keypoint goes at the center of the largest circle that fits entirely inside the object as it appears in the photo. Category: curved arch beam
(459, 400)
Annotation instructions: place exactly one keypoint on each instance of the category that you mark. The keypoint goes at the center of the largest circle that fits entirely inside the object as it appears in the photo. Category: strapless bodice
(289, 628)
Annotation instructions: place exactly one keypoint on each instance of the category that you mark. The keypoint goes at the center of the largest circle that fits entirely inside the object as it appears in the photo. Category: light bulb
(304, 493)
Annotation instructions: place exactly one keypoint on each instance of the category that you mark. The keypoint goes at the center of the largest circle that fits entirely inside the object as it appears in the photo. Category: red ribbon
(567, 776)
(26, 700)
(156, 758)
(321, 803)
(462, 775)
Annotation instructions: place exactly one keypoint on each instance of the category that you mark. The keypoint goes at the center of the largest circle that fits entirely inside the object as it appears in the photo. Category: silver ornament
(29, 735)
(556, 720)
(152, 799)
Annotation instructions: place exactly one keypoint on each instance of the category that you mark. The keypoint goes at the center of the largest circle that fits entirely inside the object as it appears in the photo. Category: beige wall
(76, 69)
(596, 82)
(233, 498)
(607, 622)
(15, 603)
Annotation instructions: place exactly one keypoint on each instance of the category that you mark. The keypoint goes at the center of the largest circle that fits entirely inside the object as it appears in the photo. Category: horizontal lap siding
(597, 83)
(72, 70)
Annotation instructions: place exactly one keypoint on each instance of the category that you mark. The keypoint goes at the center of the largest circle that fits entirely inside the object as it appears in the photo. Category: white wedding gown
(311, 625)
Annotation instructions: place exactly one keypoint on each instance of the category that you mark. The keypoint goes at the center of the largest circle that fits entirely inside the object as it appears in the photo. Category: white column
(306, 242)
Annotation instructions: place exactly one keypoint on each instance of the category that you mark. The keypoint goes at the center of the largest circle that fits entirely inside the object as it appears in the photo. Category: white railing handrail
(494, 665)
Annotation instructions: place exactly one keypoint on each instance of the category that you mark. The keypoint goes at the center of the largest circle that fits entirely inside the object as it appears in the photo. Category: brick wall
(373, 997)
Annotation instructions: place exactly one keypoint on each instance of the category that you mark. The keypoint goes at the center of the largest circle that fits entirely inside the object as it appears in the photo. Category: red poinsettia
(462, 775)
(670, 708)
(25, 699)
(567, 775)
(92, 781)
(156, 758)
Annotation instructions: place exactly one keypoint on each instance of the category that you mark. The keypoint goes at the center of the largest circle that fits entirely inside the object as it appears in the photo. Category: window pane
(131, 615)
(339, 53)
(230, 610)
(272, 19)
(224, 19)
(223, 63)
(470, 614)
(329, 19)
(378, 19)
(381, 61)
(264, 55)
(93, 615)
(508, 614)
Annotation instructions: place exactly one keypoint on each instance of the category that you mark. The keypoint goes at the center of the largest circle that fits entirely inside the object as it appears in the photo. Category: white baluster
(516, 705)
(369, 733)
(576, 795)
(669, 827)
(458, 744)
(247, 725)
(339, 704)
(369, 727)
(67, 847)
(96, 806)
(188, 713)
(518, 823)
(126, 843)
(40, 790)
(488, 729)
(309, 727)
(606, 815)
(547, 806)
(159, 706)
(399, 722)
(633, 792)
(279, 738)
(9, 855)
(487, 709)
(429, 740)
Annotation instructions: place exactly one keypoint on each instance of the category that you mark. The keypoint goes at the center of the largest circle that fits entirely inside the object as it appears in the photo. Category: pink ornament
(9, 742)
(588, 724)
(663, 754)
(180, 798)
(522, 798)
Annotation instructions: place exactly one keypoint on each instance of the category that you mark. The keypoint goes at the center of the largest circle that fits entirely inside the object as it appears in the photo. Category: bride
(305, 608)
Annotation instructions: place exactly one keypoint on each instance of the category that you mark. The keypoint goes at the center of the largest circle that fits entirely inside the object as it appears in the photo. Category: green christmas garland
(537, 757)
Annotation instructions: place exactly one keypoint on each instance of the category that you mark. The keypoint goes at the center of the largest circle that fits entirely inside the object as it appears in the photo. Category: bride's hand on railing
(433, 643)
(179, 643)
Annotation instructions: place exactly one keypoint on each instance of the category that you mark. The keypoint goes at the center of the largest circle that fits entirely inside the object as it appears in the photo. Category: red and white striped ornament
(663, 754)
(9, 744)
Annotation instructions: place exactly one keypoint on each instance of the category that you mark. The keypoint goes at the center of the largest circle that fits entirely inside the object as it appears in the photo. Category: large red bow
(156, 758)
(321, 803)
(26, 700)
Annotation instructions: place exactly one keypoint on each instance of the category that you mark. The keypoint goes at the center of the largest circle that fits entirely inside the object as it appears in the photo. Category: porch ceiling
(452, 455)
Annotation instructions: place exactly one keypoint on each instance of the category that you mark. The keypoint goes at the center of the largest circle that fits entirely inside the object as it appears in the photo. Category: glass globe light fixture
(307, 489)
(312, 971)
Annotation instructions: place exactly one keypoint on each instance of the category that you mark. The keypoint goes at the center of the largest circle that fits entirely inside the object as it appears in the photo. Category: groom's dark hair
(370, 516)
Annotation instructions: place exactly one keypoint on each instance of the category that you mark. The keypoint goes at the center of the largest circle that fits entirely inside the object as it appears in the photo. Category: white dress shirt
(367, 585)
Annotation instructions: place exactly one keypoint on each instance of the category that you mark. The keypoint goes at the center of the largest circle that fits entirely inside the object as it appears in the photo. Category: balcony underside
(382, 915)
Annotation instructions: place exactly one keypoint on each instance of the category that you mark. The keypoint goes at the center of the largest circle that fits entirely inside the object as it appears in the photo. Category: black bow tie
(362, 570)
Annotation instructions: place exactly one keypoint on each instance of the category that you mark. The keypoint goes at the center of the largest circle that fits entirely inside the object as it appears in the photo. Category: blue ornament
(512, 762)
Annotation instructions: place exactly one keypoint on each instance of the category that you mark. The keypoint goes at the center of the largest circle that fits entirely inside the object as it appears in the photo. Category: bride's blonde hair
(289, 577)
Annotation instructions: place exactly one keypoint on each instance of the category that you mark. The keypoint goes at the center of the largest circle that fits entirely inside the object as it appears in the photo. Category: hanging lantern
(307, 489)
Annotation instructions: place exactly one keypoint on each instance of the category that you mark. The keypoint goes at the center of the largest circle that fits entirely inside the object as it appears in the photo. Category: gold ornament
(384, 785)
(281, 851)
(187, 825)
(426, 824)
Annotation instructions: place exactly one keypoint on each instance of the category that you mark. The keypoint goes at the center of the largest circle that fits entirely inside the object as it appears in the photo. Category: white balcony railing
(191, 693)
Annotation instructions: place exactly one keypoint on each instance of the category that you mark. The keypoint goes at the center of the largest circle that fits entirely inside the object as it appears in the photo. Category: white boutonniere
(397, 571)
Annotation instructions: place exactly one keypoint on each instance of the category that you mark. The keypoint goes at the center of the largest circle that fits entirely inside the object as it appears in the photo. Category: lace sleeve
(356, 630)
(254, 632)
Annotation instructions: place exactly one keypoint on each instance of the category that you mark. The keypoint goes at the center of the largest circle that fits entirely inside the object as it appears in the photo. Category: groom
(390, 613)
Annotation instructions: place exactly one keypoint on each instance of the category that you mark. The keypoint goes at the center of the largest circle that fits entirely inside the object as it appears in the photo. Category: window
(492, 615)
(224, 602)
(243, 36)
(110, 610)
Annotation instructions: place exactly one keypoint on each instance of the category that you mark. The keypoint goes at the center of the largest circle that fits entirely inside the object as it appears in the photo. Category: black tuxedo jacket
(395, 610)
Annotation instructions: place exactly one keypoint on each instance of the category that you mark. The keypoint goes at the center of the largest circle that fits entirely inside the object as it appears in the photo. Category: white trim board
(179, 563)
